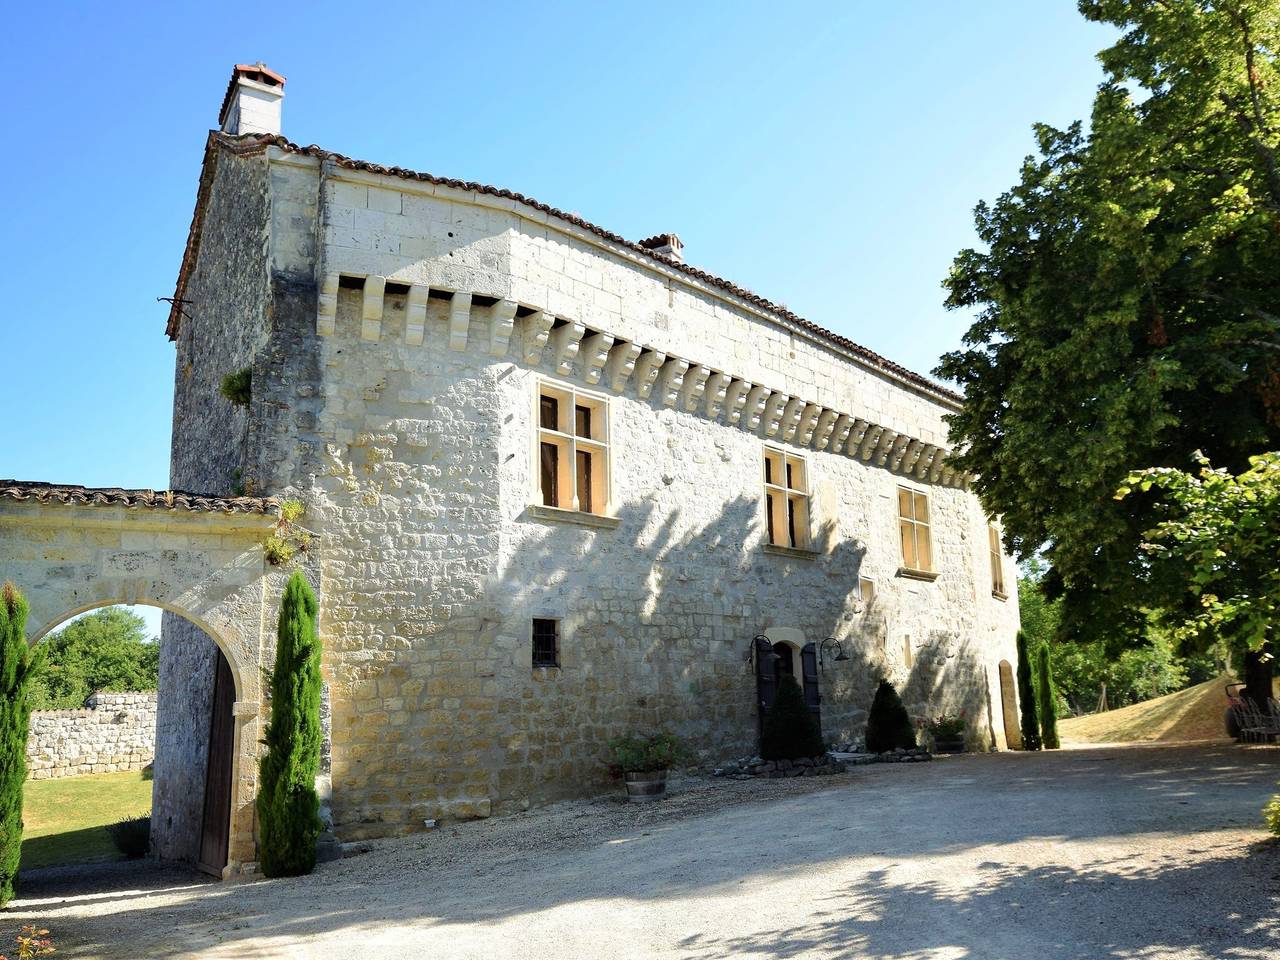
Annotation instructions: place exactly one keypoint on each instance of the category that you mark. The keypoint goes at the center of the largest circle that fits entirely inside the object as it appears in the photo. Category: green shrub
(18, 666)
(132, 836)
(238, 387)
(789, 729)
(642, 754)
(288, 807)
(1027, 698)
(888, 724)
(1271, 814)
(1048, 703)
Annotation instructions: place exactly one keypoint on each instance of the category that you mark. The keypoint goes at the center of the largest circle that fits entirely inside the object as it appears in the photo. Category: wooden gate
(216, 821)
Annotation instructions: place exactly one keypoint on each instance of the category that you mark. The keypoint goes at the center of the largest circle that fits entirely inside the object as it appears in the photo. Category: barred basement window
(913, 524)
(546, 642)
(786, 499)
(573, 449)
(997, 563)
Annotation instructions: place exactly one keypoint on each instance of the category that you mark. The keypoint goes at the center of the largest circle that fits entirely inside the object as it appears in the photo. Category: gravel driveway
(1140, 851)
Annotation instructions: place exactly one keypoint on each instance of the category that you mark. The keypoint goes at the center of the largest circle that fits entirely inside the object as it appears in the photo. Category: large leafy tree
(106, 650)
(1128, 300)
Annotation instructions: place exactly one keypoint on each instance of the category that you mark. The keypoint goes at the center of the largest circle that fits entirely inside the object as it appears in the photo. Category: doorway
(1009, 707)
(215, 820)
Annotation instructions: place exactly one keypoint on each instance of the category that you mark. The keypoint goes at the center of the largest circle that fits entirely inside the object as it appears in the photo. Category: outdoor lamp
(764, 645)
(840, 656)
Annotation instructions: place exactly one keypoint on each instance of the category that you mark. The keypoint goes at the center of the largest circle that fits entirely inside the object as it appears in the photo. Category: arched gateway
(71, 549)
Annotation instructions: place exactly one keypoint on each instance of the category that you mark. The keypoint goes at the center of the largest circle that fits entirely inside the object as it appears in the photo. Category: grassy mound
(1191, 714)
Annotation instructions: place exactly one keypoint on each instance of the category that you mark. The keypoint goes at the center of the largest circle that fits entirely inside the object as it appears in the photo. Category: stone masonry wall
(115, 731)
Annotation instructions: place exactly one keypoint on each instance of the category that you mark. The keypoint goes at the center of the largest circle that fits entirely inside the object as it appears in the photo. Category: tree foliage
(18, 665)
(1028, 720)
(288, 806)
(790, 732)
(1127, 299)
(105, 650)
(888, 723)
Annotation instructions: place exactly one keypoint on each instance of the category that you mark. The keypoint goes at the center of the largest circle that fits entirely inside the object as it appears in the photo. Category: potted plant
(642, 764)
(947, 731)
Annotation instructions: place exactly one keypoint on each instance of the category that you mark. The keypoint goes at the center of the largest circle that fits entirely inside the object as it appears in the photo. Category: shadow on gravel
(1131, 894)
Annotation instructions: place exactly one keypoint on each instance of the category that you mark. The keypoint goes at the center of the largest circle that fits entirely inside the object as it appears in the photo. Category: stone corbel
(823, 429)
(459, 320)
(757, 399)
(735, 399)
(808, 422)
(564, 343)
(671, 380)
(502, 318)
(840, 434)
(773, 411)
(371, 308)
(870, 440)
(621, 364)
(892, 453)
(717, 387)
(647, 369)
(939, 464)
(537, 329)
(791, 418)
(415, 321)
(910, 456)
(327, 306)
(593, 353)
(921, 469)
(857, 431)
(695, 383)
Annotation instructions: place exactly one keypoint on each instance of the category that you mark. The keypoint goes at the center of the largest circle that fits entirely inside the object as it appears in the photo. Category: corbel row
(600, 358)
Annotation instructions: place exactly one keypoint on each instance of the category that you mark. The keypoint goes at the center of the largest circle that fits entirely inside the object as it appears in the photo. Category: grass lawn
(65, 820)
(1191, 714)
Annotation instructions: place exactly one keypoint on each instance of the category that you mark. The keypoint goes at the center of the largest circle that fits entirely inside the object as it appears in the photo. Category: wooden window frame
(543, 663)
(788, 499)
(996, 555)
(576, 456)
(915, 534)
(866, 593)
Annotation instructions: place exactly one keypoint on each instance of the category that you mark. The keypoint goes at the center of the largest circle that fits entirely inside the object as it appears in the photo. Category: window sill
(781, 551)
(538, 511)
(999, 596)
(927, 575)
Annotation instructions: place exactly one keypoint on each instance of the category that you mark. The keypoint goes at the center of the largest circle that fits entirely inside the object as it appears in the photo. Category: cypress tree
(1027, 698)
(789, 731)
(288, 806)
(1048, 702)
(18, 664)
(888, 723)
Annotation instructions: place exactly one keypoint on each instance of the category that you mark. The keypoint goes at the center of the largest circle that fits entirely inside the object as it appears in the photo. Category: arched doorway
(1009, 707)
(791, 656)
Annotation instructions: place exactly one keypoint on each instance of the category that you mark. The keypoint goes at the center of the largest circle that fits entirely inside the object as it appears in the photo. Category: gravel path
(1140, 851)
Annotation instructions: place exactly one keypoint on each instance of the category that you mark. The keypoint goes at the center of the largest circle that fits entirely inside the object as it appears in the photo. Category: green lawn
(66, 819)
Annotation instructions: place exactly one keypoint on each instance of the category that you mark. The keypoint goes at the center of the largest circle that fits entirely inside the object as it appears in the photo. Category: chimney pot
(253, 100)
(667, 245)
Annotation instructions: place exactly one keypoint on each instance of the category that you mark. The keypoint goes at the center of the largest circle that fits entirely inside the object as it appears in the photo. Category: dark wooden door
(809, 670)
(216, 823)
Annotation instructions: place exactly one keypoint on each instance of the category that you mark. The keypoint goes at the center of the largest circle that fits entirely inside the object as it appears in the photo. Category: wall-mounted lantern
(840, 656)
(762, 649)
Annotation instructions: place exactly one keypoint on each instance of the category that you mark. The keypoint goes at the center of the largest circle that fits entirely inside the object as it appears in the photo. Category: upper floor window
(997, 562)
(573, 449)
(913, 525)
(786, 497)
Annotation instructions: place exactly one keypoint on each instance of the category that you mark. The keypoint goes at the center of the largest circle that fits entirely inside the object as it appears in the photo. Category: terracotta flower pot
(646, 785)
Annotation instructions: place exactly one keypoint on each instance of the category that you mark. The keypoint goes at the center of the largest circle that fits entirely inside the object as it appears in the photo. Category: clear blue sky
(827, 157)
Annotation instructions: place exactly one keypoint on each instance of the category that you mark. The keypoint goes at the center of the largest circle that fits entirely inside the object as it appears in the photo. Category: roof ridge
(44, 492)
(251, 143)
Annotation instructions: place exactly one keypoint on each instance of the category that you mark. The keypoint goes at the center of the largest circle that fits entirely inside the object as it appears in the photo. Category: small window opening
(546, 642)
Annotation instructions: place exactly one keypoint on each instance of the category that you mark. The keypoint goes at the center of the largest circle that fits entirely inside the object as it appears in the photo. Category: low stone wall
(115, 731)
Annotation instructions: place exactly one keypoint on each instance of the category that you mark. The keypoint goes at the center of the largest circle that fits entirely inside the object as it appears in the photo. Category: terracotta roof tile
(116, 496)
(254, 143)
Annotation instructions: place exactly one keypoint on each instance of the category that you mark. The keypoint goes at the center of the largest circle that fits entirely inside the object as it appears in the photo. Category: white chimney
(667, 245)
(252, 103)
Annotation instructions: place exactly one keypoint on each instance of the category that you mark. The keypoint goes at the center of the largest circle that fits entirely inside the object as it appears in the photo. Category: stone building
(558, 482)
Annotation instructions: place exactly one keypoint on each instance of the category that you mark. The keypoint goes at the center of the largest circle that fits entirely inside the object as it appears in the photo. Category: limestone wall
(115, 731)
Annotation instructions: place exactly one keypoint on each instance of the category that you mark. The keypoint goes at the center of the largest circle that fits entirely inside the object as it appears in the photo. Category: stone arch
(75, 549)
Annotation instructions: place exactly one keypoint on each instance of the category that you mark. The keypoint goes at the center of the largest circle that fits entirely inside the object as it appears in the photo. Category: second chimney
(253, 100)
(667, 245)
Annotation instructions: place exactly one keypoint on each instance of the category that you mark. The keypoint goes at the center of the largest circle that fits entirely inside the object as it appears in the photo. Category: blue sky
(828, 157)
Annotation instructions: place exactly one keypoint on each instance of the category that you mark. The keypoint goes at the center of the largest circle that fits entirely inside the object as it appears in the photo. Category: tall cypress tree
(888, 723)
(1048, 702)
(1027, 698)
(18, 664)
(789, 731)
(288, 806)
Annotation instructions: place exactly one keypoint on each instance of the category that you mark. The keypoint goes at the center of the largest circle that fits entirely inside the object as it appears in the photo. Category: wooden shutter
(809, 667)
